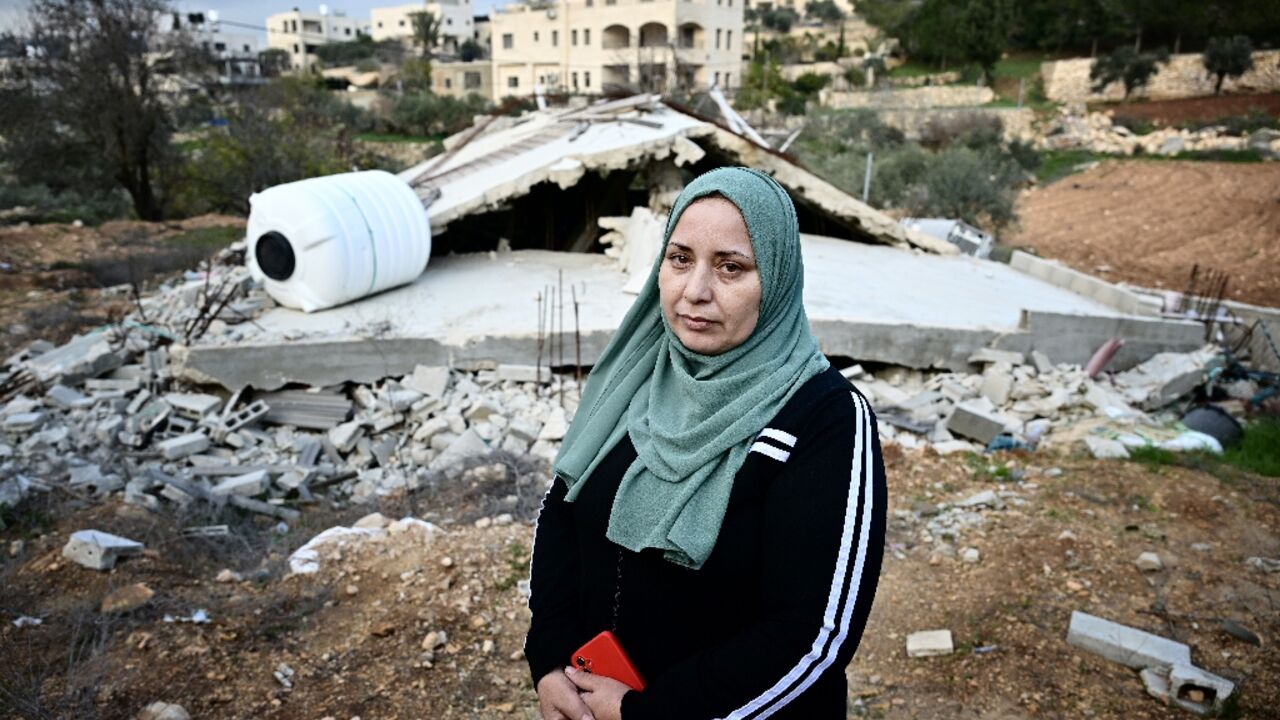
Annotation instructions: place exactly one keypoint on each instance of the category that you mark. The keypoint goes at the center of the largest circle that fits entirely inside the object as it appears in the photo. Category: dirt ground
(58, 279)
(352, 636)
(1149, 222)
(1174, 112)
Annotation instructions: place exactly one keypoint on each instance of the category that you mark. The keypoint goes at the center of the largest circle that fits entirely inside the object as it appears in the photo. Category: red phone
(603, 655)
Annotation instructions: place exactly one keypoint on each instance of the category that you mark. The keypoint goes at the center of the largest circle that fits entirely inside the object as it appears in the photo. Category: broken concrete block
(481, 410)
(1041, 361)
(468, 445)
(83, 357)
(249, 484)
(245, 415)
(430, 429)
(1106, 448)
(986, 498)
(101, 385)
(24, 422)
(403, 399)
(345, 436)
(1149, 562)
(997, 383)
(524, 373)
(372, 521)
(126, 599)
(13, 490)
(929, 643)
(1165, 377)
(991, 355)
(1197, 691)
(431, 381)
(555, 426)
(193, 405)
(184, 445)
(99, 550)
(66, 398)
(525, 430)
(968, 420)
(1125, 645)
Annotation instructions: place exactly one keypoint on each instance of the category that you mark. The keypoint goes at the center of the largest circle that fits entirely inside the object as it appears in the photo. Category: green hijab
(692, 417)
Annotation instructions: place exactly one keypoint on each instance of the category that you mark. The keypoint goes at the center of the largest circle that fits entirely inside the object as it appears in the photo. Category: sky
(249, 12)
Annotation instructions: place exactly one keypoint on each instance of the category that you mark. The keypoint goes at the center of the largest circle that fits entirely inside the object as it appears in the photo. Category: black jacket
(766, 627)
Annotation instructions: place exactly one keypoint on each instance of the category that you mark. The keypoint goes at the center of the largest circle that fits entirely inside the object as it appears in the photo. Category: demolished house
(212, 392)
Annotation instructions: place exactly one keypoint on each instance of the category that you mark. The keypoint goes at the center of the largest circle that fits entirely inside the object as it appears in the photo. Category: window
(590, 3)
(513, 82)
(448, 83)
(295, 48)
(586, 79)
(471, 80)
(535, 36)
(348, 30)
(401, 23)
(379, 23)
(219, 46)
(610, 2)
(246, 48)
(728, 39)
(575, 80)
(555, 38)
(586, 36)
(448, 21)
(718, 31)
(295, 25)
(507, 41)
(573, 38)
(717, 79)
(286, 26)
(727, 82)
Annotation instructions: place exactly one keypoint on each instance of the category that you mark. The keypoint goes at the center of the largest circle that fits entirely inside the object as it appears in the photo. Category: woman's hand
(558, 698)
(603, 695)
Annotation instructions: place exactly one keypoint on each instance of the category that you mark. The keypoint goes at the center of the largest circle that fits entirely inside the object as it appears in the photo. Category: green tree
(1127, 66)
(426, 36)
(471, 50)
(984, 32)
(1226, 57)
(97, 102)
(273, 62)
(781, 19)
(825, 10)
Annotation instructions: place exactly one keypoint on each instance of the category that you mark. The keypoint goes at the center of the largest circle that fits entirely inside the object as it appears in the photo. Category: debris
(184, 445)
(1149, 562)
(1106, 448)
(524, 373)
(467, 446)
(227, 575)
(1212, 420)
(1240, 632)
(193, 405)
(306, 409)
(428, 380)
(1167, 669)
(970, 421)
(992, 356)
(248, 484)
(66, 398)
(1261, 564)
(98, 550)
(199, 617)
(27, 621)
(929, 643)
(1165, 377)
(970, 556)
(163, 711)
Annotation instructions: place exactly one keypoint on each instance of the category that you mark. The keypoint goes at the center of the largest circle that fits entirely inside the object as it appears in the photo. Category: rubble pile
(1073, 129)
(115, 411)
(1028, 402)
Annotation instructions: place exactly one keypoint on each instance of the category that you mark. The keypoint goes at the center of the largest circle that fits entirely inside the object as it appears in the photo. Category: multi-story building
(583, 46)
(456, 25)
(235, 51)
(483, 34)
(300, 33)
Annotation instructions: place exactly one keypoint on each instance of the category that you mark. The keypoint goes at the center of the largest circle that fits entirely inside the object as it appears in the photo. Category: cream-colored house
(583, 46)
(460, 79)
(299, 33)
(456, 24)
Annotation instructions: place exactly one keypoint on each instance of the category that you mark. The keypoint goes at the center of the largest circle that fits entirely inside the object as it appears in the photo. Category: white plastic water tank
(326, 241)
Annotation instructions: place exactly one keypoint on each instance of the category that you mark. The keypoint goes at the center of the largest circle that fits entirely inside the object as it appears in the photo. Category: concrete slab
(868, 302)
(99, 550)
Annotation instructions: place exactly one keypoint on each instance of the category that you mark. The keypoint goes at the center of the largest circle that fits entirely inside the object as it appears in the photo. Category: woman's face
(708, 282)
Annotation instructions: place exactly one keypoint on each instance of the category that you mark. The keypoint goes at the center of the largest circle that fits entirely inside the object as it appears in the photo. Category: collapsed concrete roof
(502, 159)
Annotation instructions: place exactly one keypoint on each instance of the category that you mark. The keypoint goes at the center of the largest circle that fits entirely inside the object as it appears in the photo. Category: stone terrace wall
(915, 98)
(1183, 77)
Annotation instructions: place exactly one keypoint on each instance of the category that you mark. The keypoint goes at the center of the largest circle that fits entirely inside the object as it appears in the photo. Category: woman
(719, 499)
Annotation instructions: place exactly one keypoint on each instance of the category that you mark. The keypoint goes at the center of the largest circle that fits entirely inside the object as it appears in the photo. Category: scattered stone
(986, 498)
(929, 643)
(466, 446)
(991, 356)
(969, 421)
(1261, 564)
(1149, 562)
(66, 398)
(98, 550)
(193, 405)
(24, 422)
(163, 711)
(372, 521)
(345, 436)
(227, 575)
(971, 556)
(127, 599)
